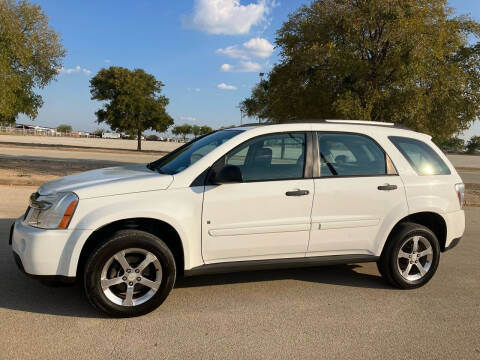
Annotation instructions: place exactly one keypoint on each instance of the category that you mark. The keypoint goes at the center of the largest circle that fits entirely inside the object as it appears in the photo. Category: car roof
(356, 126)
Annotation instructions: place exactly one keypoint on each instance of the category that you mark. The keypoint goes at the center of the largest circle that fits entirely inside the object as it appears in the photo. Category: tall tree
(64, 128)
(196, 130)
(133, 101)
(30, 57)
(406, 61)
(182, 130)
(204, 129)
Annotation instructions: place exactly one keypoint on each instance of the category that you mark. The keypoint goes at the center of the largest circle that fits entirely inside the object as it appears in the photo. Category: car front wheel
(129, 274)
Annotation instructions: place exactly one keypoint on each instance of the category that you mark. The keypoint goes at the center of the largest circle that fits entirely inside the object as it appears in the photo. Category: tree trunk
(139, 140)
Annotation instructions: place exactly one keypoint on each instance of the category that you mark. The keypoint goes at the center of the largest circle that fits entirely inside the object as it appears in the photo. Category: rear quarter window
(423, 159)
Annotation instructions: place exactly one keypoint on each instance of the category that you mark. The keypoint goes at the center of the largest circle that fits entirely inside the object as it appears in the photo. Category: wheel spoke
(149, 258)
(154, 285)
(415, 243)
(427, 251)
(406, 272)
(106, 283)
(128, 297)
(421, 269)
(403, 254)
(120, 257)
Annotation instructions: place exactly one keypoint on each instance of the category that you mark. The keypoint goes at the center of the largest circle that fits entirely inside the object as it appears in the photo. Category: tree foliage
(64, 128)
(133, 101)
(204, 129)
(182, 130)
(473, 144)
(30, 57)
(406, 61)
(453, 144)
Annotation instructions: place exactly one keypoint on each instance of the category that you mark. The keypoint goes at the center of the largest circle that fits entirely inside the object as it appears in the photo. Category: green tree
(453, 144)
(99, 132)
(64, 128)
(30, 57)
(152, 137)
(196, 130)
(205, 130)
(406, 61)
(473, 144)
(133, 101)
(182, 130)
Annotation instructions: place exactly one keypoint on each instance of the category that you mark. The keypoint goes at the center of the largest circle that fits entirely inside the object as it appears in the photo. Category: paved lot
(344, 312)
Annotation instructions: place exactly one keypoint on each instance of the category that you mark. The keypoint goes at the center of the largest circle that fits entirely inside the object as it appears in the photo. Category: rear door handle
(387, 187)
(297, 193)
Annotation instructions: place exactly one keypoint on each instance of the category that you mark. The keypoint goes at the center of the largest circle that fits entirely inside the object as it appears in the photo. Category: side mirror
(229, 174)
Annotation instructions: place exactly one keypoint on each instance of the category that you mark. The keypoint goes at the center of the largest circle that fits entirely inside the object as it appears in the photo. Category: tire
(406, 265)
(134, 287)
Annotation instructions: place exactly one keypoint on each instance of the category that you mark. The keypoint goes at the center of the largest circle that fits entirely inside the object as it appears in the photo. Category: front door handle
(387, 187)
(297, 193)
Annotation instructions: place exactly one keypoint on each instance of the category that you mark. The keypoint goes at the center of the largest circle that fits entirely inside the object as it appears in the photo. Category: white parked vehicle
(247, 198)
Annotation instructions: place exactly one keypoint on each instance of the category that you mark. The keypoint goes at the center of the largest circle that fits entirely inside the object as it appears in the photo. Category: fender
(178, 207)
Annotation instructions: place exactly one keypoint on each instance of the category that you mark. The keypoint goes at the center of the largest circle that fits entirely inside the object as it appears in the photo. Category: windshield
(191, 152)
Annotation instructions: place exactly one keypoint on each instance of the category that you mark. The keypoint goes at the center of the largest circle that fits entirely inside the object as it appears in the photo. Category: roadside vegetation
(412, 62)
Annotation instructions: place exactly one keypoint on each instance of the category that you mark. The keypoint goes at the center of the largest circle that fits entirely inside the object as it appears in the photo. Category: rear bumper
(453, 243)
(455, 228)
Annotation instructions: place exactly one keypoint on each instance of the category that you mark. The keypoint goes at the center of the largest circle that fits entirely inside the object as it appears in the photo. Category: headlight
(51, 211)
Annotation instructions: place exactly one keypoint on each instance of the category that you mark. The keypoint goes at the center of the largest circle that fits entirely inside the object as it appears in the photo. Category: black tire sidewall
(410, 231)
(120, 241)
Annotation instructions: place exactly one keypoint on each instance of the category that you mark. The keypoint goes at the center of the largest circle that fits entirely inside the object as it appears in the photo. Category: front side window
(423, 159)
(270, 157)
(351, 155)
(191, 152)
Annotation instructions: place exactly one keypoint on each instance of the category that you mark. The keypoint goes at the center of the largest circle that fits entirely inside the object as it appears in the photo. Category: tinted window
(191, 152)
(421, 156)
(350, 155)
(270, 157)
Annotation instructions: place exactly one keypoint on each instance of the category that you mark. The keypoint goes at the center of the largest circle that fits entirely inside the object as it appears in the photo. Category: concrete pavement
(344, 312)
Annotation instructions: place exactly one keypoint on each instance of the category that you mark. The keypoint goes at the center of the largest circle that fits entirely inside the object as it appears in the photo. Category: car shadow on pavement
(342, 275)
(21, 293)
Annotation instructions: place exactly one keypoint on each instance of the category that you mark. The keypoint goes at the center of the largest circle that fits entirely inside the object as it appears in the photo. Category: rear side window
(343, 154)
(421, 156)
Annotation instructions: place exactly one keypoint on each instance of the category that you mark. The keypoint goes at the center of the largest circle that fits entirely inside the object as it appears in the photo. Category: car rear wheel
(129, 274)
(410, 257)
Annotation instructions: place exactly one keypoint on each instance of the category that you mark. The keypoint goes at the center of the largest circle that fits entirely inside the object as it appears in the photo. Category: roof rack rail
(334, 121)
(347, 122)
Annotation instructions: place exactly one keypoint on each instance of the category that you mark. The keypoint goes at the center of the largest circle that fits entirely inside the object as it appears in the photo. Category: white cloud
(253, 48)
(242, 66)
(76, 69)
(226, 16)
(226, 68)
(107, 61)
(224, 86)
(188, 118)
(197, 89)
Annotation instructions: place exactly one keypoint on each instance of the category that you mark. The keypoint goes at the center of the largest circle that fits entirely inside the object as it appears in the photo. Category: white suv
(247, 198)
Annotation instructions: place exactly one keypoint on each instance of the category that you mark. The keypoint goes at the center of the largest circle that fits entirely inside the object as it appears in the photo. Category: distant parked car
(110, 135)
(248, 198)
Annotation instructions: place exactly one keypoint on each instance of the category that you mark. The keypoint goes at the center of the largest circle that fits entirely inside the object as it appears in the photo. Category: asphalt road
(343, 312)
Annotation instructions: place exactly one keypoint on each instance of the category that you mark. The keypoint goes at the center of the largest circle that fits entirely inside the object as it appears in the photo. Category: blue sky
(207, 52)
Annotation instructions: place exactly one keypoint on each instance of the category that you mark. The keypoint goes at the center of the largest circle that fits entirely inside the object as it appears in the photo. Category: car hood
(109, 181)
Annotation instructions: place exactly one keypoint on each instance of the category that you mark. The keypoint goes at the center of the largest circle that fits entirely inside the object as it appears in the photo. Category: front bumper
(46, 253)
